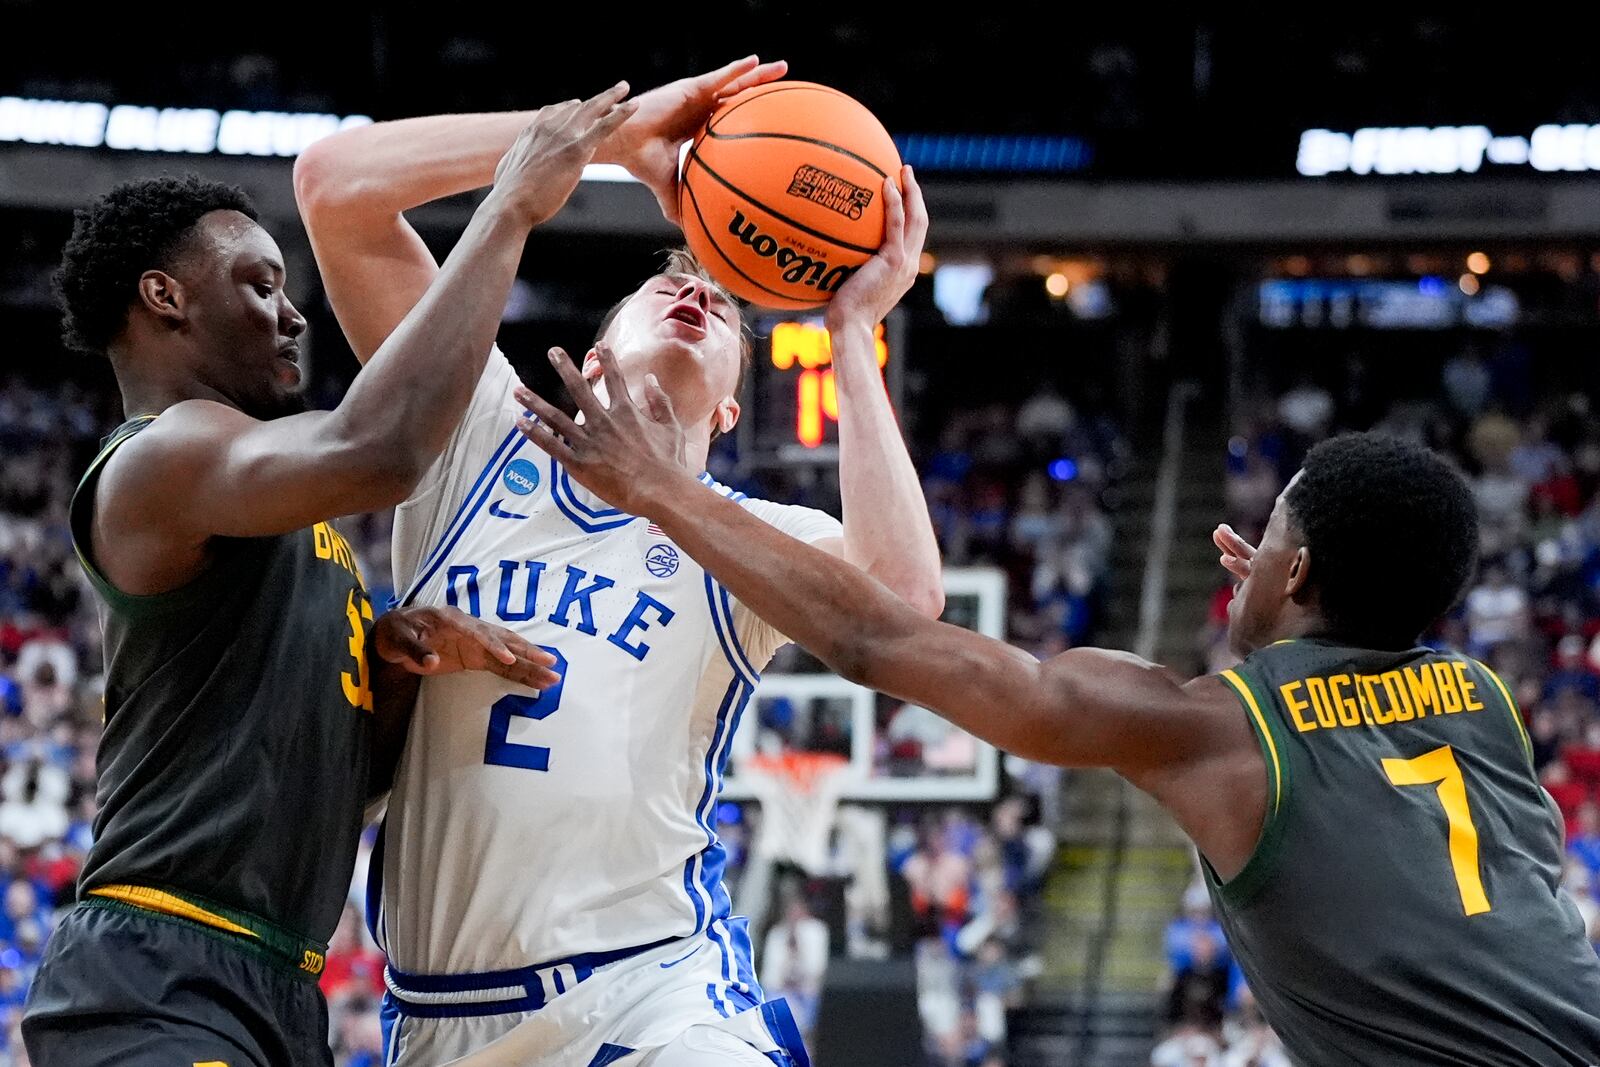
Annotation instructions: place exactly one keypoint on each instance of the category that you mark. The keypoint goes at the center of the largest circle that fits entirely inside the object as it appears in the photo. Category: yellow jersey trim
(1249, 699)
(1511, 707)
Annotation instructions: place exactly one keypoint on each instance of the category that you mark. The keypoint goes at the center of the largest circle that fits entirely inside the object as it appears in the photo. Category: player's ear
(1299, 572)
(726, 415)
(592, 370)
(162, 295)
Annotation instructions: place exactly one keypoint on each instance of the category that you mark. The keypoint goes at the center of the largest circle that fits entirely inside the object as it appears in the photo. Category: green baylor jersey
(1403, 903)
(233, 767)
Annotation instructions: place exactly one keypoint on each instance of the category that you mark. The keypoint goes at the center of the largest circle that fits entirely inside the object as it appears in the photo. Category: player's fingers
(616, 387)
(894, 218)
(607, 123)
(540, 435)
(526, 650)
(530, 674)
(721, 79)
(492, 640)
(916, 211)
(405, 645)
(578, 387)
(601, 102)
(554, 417)
(1229, 541)
(657, 402)
(760, 75)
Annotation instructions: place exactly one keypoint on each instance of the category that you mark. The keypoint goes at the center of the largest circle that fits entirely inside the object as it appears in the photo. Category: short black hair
(139, 225)
(1392, 530)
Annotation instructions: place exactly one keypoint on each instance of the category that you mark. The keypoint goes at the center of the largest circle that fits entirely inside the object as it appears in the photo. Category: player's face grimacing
(686, 332)
(1278, 571)
(236, 305)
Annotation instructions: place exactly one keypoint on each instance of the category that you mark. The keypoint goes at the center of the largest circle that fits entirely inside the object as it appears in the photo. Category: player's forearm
(414, 391)
(863, 631)
(828, 606)
(394, 696)
(887, 531)
(390, 167)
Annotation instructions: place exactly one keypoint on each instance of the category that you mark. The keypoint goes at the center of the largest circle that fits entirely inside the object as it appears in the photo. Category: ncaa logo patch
(522, 477)
(661, 561)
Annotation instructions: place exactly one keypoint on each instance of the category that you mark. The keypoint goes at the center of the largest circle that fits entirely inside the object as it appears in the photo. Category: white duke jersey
(529, 827)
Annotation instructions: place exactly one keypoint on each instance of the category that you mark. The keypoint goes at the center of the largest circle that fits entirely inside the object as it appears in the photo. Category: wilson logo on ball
(830, 191)
(797, 267)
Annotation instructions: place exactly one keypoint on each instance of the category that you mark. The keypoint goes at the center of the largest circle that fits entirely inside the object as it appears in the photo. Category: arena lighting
(1478, 263)
(187, 130)
(1393, 150)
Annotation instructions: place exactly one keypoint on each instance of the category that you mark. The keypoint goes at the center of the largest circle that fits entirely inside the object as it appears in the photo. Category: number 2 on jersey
(1439, 768)
(500, 752)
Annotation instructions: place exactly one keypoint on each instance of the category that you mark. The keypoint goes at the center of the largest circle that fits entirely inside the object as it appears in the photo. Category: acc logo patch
(661, 561)
(522, 477)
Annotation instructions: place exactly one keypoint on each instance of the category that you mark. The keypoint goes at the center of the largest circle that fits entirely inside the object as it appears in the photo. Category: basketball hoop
(799, 796)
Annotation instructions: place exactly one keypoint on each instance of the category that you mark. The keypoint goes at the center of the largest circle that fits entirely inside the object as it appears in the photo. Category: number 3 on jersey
(499, 752)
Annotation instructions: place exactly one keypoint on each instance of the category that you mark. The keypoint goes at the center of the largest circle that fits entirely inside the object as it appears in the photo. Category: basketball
(782, 192)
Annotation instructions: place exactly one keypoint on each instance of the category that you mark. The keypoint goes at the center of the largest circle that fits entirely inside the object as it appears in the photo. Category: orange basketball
(782, 192)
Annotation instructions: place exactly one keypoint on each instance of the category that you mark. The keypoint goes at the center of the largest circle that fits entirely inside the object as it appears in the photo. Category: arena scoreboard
(791, 400)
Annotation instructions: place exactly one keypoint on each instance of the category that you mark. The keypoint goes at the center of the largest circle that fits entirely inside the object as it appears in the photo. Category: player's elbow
(926, 597)
(920, 589)
(325, 186)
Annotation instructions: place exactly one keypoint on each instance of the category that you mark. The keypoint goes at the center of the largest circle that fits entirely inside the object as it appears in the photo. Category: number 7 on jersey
(1439, 768)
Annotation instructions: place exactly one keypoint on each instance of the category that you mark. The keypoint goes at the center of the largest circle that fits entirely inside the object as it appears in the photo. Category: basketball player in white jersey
(551, 867)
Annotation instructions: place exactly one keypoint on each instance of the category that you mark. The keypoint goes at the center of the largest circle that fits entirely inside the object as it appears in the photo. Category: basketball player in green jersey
(1381, 854)
(243, 716)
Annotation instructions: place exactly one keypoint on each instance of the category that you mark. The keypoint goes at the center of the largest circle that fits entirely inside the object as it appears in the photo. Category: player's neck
(696, 447)
(144, 394)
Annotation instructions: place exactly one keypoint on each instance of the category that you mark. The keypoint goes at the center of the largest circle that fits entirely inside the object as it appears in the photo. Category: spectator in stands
(1584, 844)
(1572, 671)
(354, 965)
(1466, 382)
(794, 957)
(1189, 1045)
(996, 988)
(1200, 984)
(1250, 1041)
(1497, 612)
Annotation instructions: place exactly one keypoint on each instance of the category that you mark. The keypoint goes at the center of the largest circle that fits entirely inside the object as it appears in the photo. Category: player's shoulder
(727, 491)
(809, 524)
(165, 449)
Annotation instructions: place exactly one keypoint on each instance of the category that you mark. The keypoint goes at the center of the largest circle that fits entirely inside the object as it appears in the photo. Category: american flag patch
(658, 531)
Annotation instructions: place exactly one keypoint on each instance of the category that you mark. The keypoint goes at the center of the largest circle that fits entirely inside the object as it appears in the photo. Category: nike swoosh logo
(680, 959)
(494, 509)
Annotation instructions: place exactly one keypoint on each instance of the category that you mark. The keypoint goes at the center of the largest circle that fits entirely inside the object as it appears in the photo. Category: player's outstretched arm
(353, 187)
(887, 531)
(206, 469)
(412, 642)
(1086, 707)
